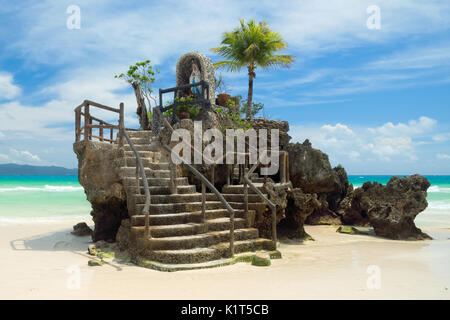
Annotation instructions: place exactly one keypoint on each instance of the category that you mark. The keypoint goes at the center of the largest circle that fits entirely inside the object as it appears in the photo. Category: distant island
(27, 170)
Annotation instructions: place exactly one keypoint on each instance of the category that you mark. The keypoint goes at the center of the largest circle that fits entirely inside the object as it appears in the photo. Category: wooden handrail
(86, 129)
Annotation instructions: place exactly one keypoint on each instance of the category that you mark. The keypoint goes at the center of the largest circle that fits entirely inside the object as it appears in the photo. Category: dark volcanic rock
(323, 214)
(391, 209)
(300, 205)
(350, 209)
(277, 194)
(81, 229)
(310, 170)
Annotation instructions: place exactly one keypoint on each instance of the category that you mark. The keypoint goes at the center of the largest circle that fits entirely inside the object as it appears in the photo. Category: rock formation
(299, 206)
(81, 229)
(98, 174)
(390, 209)
(310, 170)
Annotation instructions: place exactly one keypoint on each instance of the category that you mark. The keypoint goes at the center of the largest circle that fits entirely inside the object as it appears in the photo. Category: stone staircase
(179, 236)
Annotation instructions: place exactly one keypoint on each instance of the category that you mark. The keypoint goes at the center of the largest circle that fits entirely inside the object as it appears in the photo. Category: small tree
(252, 45)
(141, 76)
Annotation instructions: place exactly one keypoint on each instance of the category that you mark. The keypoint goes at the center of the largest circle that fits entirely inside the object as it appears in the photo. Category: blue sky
(375, 100)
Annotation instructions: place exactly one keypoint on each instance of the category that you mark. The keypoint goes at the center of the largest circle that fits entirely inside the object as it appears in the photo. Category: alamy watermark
(74, 19)
(236, 149)
(374, 280)
(374, 20)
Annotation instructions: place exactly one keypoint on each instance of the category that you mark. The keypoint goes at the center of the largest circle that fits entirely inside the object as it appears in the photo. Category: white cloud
(441, 137)
(8, 90)
(411, 128)
(443, 156)
(386, 142)
(24, 155)
(338, 128)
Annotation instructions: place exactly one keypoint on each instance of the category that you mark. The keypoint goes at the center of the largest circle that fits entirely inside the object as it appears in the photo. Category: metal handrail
(272, 206)
(139, 164)
(206, 182)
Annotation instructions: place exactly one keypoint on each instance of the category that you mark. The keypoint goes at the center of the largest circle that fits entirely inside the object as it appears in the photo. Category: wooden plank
(100, 126)
(99, 120)
(98, 137)
(101, 106)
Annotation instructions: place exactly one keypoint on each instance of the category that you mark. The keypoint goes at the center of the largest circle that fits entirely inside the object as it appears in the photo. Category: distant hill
(27, 170)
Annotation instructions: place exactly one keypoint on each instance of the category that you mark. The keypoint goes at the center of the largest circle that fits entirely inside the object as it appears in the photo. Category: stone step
(239, 188)
(149, 173)
(162, 208)
(170, 198)
(190, 228)
(168, 219)
(130, 162)
(202, 240)
(258, 180)
(214, 252)
(141, 141)
(161, 190)
(257, 206)
(155, 156)
(173, 230)
(130, 181)
(139, 134)
(230, 197)
(185, 217)
(142, 147)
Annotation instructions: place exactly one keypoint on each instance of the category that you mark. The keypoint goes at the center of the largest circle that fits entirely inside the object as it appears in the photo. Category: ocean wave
(438, 189)
(439, 205)
(46, 188)
(49, 219)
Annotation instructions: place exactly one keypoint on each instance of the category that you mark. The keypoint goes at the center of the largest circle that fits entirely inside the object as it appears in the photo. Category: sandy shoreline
(41, 261)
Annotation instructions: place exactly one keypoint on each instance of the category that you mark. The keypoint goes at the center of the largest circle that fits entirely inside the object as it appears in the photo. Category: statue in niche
(194, 78)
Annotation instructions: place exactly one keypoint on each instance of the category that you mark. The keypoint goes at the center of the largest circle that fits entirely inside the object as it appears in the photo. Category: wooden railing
(85, 122)
(203, 100)
(203, 179)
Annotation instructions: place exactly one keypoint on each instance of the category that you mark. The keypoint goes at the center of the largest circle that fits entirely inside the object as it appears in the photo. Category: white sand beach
(40, 261)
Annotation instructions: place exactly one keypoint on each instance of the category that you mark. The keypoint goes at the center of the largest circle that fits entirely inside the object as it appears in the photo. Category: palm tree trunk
(250, 93)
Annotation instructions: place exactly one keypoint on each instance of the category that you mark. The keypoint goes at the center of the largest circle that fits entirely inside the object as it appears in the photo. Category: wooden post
(246, 200)
(282, 167)
(77, 125)
(213, 173)
(204, 206)
(287, 167)
(87, 122)
(232, 234)
(111, 134)
(229, 174)
(100, 131)
(274, 227)
(121, 124)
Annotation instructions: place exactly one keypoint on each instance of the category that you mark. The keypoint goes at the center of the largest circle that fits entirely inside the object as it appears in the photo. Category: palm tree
(252, 45)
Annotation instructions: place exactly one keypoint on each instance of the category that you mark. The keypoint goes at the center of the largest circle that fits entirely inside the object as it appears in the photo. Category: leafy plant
(252, 45)
(142, 75)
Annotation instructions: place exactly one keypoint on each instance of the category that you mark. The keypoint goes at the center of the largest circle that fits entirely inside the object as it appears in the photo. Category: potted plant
(184, 110)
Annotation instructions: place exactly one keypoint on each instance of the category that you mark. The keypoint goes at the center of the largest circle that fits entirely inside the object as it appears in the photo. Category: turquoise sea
(55, 198)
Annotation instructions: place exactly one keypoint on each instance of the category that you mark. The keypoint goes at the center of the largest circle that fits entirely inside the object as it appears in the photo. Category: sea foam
(438, 189)
(46, 188)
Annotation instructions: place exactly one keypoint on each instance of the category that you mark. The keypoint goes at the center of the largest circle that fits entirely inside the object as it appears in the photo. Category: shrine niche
(184, 72)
